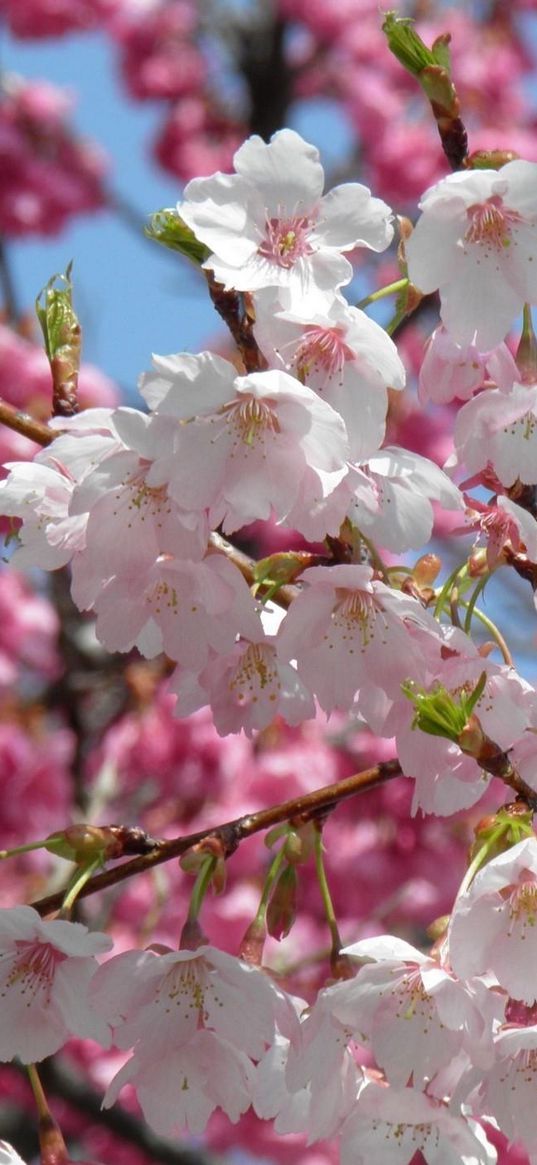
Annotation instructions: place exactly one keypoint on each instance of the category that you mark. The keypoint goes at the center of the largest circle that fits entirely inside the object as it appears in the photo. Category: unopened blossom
(390, 1126)
(494, 923)
(452, 371)
(476, 241)
(251, 443)
(499, 430)
(345, 630)
(45, 972)
(340, 353)
(268, 225)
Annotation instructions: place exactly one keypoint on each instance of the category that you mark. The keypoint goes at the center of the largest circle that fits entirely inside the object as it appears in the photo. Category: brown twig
(231, 833)
(25, 425)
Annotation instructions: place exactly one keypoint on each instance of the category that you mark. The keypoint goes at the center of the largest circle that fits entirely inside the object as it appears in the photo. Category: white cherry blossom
(45, 972)
(389, 1126)
(499, 430)
(269, 225)
(494, 924)
(476, 241)
(403, 485)
(340, 353)
(251, 442)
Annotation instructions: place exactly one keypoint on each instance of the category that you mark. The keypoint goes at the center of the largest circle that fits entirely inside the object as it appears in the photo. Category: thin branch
(231, 833)
(25, 425)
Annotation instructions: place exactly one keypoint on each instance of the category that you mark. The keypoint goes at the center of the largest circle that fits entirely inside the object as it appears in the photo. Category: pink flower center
(286, 240)
(251, 419)
(523, 904)
(255, 672)
(34, 968)
(356, 611)
(490, 223)
(184, 987)
(322, 350)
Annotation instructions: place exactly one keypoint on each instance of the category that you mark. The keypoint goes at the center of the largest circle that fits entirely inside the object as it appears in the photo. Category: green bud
(406, 45)
(167, 228)
(62, 335)
(438, 714)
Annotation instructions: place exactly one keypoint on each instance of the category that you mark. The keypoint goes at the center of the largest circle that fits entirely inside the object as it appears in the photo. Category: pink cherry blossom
(503, 525)
(400, 515)
(506, 1091)
(179, 1091)
(251, 444)
(47, 174)
(341, 354)
(246, 688)
(45, 972)
(390, 1126)
(413, 1012)
(493, 924)
(500, 429)
(455, 371)
(476, 241)
(268, 225)
(346, 629)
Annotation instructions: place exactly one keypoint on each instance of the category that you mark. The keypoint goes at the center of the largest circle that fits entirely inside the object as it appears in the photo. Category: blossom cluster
(136, 504)
(451, 1033)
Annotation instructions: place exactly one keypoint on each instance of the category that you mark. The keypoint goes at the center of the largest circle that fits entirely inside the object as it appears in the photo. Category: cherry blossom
(455, 371)
(268, 225)
(398, 513)
(503, 525)
(247, 687)
(251, 443)
(476, 241)
(45, 972)
(346, 629)
(343, 355)
(493, 923)
(506, 1090)
(500, 429)
(391, 1125)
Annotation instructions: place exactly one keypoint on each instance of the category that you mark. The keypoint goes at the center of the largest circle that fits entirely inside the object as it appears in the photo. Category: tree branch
(231, 833)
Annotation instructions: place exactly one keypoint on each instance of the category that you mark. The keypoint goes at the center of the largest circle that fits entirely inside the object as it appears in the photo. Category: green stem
(390, 289)
(471, 605)
(478, 861)
(201, 885)
(443, 594)
(79, 879)
(494, 631)
(325, 895)
(270, 879)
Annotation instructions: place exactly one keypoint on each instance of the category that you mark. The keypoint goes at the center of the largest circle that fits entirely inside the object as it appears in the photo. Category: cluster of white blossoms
(452, 1033)
(131, 500)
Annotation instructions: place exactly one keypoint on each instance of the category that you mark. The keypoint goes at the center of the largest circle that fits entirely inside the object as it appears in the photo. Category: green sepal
(167, 228)
(54, 310)
(438, 714)
(406, 45)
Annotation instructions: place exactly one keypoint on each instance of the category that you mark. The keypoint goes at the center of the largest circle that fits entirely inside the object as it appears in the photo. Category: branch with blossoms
(400, 1051)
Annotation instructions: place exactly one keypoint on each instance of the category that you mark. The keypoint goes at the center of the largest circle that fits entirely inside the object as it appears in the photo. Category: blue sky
(132, 297)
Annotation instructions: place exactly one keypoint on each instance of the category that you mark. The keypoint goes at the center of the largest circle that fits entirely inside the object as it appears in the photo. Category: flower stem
(389, 289)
